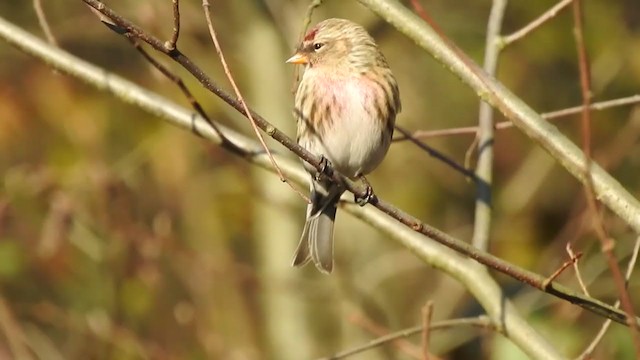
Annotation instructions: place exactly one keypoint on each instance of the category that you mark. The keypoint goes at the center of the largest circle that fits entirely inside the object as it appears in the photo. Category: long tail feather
(316, 242)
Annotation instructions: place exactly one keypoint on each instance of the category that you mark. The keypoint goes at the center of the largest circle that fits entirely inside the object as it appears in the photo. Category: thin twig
(403, 345)
(481, 322)
(586, 354)
(307, 17)
(305, 25)
(212, 32)
(171, 44)
(468, 155)
(427, 314)
(606, 241)
(549, 14)
(576, 268)
(471, 130)
(424, 15)
(179, 83)
(602, 105)
(44, 24)
(562, 268)
(438, 155)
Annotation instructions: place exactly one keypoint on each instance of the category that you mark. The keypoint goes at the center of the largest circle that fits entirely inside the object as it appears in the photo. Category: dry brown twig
(548, 15)
(305, 25)
(403, 345)
(562, 268)
(172, 43)
(427, 314)
(206, 6)
(44, 23)
(606, 241)
(482, 322)
(576, 268)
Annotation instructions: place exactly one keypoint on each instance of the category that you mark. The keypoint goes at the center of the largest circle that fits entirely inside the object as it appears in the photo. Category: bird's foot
(368, 193)
(326, 169)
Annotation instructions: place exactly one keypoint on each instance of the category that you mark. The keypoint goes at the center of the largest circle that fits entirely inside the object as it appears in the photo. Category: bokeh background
(122, 237)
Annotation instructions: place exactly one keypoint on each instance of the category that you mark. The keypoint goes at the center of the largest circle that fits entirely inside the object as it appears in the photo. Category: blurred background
(123, 237)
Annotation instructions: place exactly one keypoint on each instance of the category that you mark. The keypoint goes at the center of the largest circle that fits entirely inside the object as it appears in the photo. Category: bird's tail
(316, 242)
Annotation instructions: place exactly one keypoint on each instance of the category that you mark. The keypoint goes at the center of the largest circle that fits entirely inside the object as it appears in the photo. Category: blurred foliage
(123, 238)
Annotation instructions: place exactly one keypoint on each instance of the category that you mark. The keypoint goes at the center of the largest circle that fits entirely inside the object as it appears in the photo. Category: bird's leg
(325, 168)
(368, 193)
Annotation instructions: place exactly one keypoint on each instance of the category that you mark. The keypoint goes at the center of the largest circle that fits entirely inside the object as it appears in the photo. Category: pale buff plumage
(345, 107)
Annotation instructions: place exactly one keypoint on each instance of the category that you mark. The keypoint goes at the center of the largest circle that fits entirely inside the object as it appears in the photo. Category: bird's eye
(317, 46)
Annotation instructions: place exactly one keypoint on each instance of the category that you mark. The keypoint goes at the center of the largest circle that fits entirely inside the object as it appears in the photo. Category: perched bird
(345, 107)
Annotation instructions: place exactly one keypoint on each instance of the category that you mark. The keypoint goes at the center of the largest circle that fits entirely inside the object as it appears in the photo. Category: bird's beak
(298, 58)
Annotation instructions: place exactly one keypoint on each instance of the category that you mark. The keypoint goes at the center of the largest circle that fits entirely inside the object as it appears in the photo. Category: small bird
(345, 107)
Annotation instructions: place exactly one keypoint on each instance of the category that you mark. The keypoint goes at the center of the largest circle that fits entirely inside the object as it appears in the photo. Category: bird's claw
(366, 198)
(325, 168)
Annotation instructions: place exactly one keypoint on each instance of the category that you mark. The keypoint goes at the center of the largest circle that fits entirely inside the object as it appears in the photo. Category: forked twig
(549, 14)
(576, 268)
(171, 44)
(561, 269)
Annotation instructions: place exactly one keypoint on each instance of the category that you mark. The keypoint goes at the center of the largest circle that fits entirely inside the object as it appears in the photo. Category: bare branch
(44, 24)
(562, 268)
(549, 14)
(576, 268)
(438, 155)
(482, 322)
(171, 44)
(403, 345)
